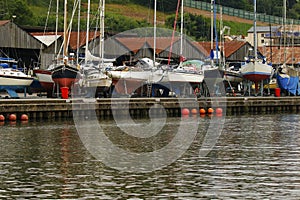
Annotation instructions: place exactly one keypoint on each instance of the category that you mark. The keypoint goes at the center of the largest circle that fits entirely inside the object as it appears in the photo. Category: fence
(239, 13)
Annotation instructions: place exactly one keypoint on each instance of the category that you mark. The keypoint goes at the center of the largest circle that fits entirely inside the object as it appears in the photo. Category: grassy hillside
(133, 11)
(126, 16)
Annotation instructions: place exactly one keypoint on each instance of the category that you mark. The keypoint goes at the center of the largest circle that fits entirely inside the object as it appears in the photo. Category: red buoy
(194, 111)
(2, 118)
(24, 117)
(12, 117)
(202, 111)
(219, 111)
(185, 111)
(210, 111)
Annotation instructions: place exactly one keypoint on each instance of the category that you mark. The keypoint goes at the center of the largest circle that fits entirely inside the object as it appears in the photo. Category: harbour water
(255, 157)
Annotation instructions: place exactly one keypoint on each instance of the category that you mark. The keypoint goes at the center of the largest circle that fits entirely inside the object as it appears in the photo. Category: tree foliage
(19, 11)
(34, 13)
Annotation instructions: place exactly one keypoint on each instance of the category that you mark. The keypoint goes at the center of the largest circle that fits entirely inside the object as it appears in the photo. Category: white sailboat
(256, 70)
(187, 72)
(94, 78)
(232, 75)
(45, 75)
(12, 79)
(65, 72)
(213, 74)
(129, 80)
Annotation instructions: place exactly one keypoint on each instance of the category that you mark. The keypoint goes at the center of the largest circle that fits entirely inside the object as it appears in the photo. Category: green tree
(21, 11)
(162, 5)
(295, 11)
(195, 26)
(119, 23)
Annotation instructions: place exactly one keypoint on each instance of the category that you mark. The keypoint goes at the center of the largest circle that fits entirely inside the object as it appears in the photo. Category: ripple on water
(256, 157)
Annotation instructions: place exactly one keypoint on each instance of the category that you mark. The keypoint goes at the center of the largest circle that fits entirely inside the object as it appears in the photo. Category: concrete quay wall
(105, 108)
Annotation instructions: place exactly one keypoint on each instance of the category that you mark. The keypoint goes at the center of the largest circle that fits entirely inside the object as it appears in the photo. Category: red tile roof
(229, 46)
(292, 54)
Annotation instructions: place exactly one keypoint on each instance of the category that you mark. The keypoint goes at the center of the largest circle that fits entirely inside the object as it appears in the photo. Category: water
(255, 157)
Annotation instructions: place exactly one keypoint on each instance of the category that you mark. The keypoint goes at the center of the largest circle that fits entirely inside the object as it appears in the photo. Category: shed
(16, 43)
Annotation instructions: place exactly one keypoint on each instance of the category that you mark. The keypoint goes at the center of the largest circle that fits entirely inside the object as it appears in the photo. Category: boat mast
(87, 31)
(284, 31)
(222, 40)
(254, 32)
(65, 51)
(101, 44)
(216, 33)
(181, 30)
(173, 33)
(56, 29)
(78, 32)
(154, 33)
(212, 33)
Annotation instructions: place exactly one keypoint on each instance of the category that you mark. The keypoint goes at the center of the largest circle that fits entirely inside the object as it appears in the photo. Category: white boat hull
(182, 77)
(98, 82)
(9, 77)
(256, 71)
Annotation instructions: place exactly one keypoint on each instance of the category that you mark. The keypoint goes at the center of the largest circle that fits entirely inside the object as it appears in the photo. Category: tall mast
(65, 52)
(154, 33)
(87, 31)
(56, 28)
(78, 31)
(173, 33)
(101, 44)
(212, 32)
(181, 30)
(254, 32)
(216, 33)
(284, 31)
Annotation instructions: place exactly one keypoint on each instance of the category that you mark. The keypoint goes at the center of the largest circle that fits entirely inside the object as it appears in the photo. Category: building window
(262, 35)
(262, 41)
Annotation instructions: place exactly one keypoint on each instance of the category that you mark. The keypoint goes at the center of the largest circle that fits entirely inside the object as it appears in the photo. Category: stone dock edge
(107, 108)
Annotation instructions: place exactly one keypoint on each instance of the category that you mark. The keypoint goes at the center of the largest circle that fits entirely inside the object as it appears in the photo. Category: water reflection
(256, 157)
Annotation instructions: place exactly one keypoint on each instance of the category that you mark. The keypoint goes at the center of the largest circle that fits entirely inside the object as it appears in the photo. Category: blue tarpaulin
(290, 84)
